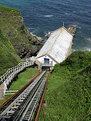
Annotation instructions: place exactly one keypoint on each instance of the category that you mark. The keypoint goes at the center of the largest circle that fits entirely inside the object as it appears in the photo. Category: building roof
(57, 45)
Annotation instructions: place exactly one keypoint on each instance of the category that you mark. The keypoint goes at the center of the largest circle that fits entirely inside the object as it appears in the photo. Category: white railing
(7, 77)
(11, 72)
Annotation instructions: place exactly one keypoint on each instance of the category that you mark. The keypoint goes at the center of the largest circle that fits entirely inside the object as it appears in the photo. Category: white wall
(58, 46)
(41, 59)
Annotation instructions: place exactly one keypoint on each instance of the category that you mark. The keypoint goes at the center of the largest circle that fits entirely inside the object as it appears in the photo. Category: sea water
(43, 16)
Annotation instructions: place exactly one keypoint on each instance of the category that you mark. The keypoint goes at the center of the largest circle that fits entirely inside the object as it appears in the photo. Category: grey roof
(57, 45)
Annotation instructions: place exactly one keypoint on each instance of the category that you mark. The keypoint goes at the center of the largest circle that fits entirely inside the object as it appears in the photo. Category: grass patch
(15, 39)
(10, 10)
(69, 93)
(23, 79)
(8, 57)
(5, 98)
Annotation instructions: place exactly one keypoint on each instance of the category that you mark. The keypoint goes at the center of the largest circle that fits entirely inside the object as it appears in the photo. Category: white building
(57, 48)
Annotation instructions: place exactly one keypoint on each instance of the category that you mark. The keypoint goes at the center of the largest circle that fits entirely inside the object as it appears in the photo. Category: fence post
(6, 78)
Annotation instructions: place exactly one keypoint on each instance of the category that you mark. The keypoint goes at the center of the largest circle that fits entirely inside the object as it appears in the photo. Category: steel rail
(41, 101)
(26, 103)
(28, 114)
(7, 113)
(18, 92)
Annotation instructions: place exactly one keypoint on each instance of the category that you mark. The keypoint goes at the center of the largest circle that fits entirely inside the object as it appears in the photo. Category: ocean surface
(43, 16)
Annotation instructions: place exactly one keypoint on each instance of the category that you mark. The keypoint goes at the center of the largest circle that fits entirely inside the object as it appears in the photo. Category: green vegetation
(69, 91)
(8, 57)
(23, 79)
(5, 98)
(11, 24)
(15, 40)
(9, 10)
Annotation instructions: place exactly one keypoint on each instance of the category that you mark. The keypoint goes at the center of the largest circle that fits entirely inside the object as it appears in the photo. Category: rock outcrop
(12, 25)
(16, 41)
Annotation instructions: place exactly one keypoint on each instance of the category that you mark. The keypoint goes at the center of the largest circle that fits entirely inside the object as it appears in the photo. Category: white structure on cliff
(56, 49)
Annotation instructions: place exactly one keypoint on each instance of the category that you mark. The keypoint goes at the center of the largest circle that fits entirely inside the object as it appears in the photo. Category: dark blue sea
(43, 16)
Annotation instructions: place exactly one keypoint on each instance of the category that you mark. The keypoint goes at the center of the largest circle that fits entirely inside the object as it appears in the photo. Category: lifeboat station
(56, 49)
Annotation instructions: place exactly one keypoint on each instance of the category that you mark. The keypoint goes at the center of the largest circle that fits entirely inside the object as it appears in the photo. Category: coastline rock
(12, 25)
(72, 29)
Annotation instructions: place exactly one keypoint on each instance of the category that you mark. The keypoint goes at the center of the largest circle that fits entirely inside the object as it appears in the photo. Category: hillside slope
(12, 25)
(8, 57)
(69, 91)
(15, 40)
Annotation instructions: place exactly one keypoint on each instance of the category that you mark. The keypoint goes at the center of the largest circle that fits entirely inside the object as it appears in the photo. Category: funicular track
(24, 106)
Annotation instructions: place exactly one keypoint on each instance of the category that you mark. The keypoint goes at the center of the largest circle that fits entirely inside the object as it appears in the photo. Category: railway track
(23, 107)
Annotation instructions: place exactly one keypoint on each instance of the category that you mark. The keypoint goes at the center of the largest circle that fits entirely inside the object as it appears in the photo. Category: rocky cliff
(16, 41)
(13, 28)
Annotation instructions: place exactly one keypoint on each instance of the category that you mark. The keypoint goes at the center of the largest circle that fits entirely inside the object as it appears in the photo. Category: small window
(46, 60)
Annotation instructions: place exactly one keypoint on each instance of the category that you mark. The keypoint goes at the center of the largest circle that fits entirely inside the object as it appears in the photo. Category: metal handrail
(16, 69)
